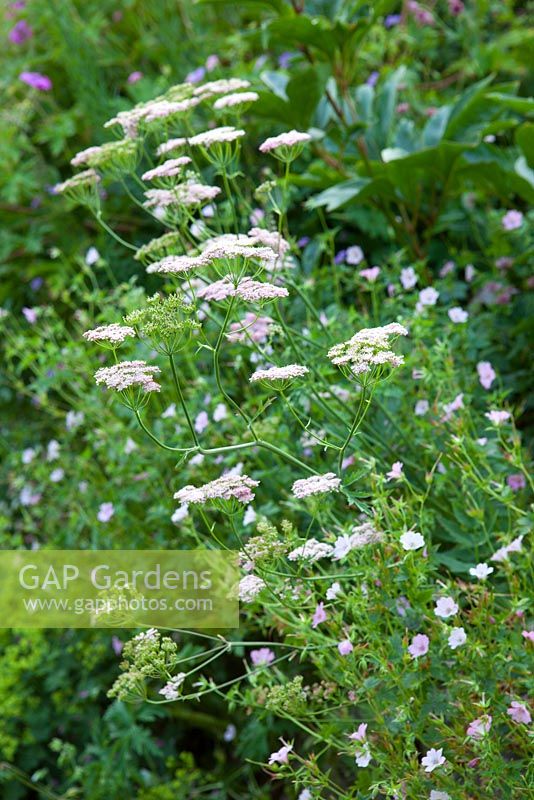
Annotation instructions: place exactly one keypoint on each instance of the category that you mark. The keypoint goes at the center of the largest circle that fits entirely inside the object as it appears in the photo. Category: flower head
(169, 168)
(478, 728)
(279, 377)
(497, 417)
(286, 146)
(345, 647)
(249, 588)
(37, 81)
(281, 756)
(113, 334)
(317, 484)
(446, 607)
(126, 374)
(457, 638)
(457, 315)
(519, 713)
(512, 220)
(227, 487)
(319, 615)
(396, 471)
(411, 540)
(225, 133)
(262, 657)
(367, 350)
(433, 758)
(235, 99)
(481, 571)
(419, 645)
(486, 374)
(171, 690)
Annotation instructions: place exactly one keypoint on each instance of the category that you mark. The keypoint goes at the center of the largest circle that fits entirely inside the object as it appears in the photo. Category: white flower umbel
(286, 146)
(226, 492)
(169, 168)
(128, 374)
(368, 350)
(249, 588)
(278, 377)
(311, 551)
(236, 99)
(171, 690)
(112, 335)
(224, 134)
(317, 484)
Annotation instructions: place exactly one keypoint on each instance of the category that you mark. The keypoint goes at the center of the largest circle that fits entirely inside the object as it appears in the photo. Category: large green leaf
(524, 137)
(355, 188)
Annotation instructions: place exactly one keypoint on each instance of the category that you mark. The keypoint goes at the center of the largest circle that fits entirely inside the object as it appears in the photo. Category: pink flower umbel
(319, 615)
(419, 645)
(519, 713)
(478, 728)
(434, 758)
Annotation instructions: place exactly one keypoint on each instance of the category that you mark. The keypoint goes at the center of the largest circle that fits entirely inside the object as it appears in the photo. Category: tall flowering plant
(372, 657)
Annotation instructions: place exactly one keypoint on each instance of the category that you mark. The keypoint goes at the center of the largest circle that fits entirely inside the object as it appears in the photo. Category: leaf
(276, 82)
(336, 196)
(524, 137)
(465, 109)
(435, 127)
(386, 101)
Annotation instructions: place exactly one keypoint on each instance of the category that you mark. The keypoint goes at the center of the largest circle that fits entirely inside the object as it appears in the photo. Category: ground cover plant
(298, 328)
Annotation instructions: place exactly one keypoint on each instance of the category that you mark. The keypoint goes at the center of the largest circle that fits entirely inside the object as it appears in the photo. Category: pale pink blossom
(457, 638)
(516, 482)
(446, 607)
(478, 728)
(419, 645)
(201, 421)
(481, 571)
(105, 512)
(486, 374)
(370, 274)
(512, 219)
(281, 756)
(319, 615)
(421, 408)
(360, 734)
(497, 417)
(408, 278)
(411, 540)
(457, 315)
(396, 471)
(262, 657)
(433, 758)
(169, 168)
(345, 647)
(519, 713)
(354, 255)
